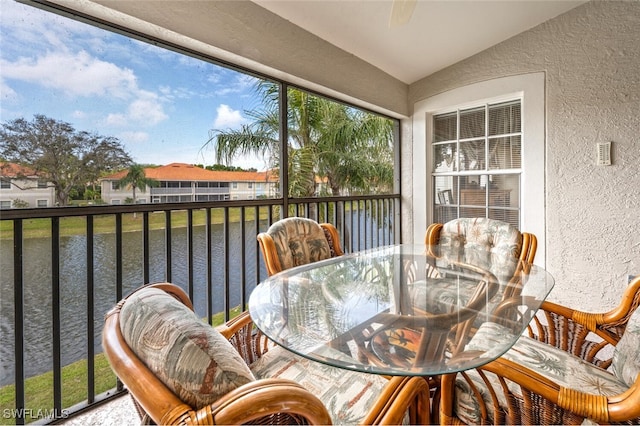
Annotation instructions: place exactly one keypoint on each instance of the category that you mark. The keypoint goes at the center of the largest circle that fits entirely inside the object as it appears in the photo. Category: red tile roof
(12, 170)
(188, 172)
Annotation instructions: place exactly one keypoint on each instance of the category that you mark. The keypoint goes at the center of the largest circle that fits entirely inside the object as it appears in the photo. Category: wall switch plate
(603, 154)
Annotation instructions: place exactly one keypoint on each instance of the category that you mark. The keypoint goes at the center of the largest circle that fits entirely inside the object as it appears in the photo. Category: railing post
(18, 320)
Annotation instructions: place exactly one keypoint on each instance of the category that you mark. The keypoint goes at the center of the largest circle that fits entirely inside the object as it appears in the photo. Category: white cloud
(147, 109)
(135, 137)
(228, 118)
(77, 74)
(116, 120)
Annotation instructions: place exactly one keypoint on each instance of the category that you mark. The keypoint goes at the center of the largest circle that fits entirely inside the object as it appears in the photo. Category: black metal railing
(64, 268)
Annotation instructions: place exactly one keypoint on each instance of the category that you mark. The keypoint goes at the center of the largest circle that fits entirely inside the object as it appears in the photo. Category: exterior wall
(30, 192)
(244, 191)
(590, 57)
(108, 195)
(252, 190)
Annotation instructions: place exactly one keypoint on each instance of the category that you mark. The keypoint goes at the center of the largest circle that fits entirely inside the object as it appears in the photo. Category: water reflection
(37, 302)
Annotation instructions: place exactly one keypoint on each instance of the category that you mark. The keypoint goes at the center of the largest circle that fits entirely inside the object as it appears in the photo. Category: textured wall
(591, 57)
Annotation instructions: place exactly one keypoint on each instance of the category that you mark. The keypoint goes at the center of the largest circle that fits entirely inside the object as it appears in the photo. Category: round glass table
(400, 310)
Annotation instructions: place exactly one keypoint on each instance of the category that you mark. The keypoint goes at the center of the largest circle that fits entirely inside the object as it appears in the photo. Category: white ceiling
(440, 32)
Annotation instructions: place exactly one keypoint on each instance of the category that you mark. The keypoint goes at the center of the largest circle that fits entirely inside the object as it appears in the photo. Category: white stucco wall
(591, 60)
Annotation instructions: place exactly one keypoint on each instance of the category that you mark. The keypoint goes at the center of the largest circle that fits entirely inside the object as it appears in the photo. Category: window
(42, 203)
(5, 184)
(42, 184)
(5, 205)
(249, 185)
(476, 166)
(115, 201)
(164, 104)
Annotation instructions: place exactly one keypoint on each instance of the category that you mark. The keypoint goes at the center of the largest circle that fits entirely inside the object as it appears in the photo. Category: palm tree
(351, 148)
(136, 178)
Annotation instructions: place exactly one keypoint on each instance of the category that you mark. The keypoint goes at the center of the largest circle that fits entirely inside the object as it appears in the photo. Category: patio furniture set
(455, 331)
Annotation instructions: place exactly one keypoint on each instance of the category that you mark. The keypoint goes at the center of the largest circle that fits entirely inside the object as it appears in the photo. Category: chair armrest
(568, 329)
(287, 400)
(400, 395)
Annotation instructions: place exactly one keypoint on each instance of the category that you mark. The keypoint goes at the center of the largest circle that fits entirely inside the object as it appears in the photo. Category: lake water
(73, 292)
(37, 303)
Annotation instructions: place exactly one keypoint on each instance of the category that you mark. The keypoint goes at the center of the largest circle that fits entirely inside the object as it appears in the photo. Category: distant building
(178, 182)
(22, 187)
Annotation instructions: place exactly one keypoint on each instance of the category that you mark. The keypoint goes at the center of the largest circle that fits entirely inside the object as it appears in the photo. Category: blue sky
(160, 105)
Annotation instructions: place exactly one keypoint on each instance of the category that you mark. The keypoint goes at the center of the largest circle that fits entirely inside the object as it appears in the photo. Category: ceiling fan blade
(401, 11)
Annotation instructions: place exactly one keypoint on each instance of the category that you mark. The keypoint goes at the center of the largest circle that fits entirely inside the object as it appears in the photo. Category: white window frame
(475, 173)
(531, 89)
(42, 203)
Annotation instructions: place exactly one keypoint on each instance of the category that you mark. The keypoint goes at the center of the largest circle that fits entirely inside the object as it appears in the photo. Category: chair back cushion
(191, 358)
(626, 355)
(497, 244)
(299, 241)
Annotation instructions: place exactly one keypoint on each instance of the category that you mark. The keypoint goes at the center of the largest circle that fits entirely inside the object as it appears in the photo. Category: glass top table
(400, 310)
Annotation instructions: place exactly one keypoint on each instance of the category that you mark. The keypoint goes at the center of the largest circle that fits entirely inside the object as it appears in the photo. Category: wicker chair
(179, 370)
(574, 367)
(297, 241)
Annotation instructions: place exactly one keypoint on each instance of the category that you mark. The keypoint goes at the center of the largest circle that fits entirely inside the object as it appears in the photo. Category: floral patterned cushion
(557, 365)
(499, 244)
(626, 356)
(299, 241)
(348, 395)
(191, 358)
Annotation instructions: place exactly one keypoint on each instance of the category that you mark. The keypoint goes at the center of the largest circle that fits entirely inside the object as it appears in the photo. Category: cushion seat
(350, 394)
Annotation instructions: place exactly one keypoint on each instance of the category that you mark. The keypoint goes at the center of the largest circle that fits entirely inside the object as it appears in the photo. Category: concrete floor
(118, 412)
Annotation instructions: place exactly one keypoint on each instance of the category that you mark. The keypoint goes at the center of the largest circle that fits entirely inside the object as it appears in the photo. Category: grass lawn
(41, 228)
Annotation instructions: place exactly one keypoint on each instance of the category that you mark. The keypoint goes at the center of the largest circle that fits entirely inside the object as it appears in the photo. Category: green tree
(137, 179)
(350, 148)
(64, 156)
